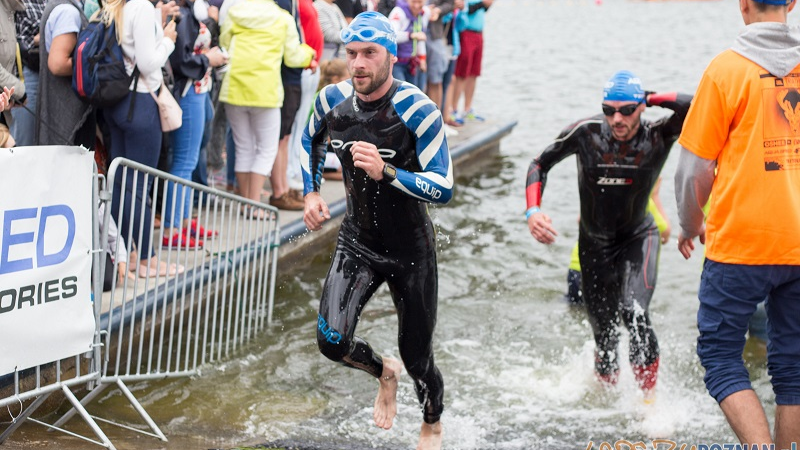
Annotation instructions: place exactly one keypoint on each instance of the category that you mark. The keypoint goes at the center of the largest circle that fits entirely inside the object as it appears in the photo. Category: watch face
(391, 171)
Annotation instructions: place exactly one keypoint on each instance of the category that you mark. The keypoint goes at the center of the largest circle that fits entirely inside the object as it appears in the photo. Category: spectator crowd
(244, 73)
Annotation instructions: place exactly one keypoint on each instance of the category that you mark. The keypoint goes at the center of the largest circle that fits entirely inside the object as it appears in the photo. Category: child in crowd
(333, 71)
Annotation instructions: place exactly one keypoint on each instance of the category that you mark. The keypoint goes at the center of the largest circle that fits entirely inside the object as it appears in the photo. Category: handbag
(169, 110)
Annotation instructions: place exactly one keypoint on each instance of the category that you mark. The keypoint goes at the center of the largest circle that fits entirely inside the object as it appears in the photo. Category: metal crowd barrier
(40, 382)
(167, 326)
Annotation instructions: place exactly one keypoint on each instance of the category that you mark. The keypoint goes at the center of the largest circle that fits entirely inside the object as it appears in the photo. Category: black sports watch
(389, 173)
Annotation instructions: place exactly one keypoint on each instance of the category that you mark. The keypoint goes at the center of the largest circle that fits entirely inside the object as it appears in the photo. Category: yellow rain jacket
(259, 35)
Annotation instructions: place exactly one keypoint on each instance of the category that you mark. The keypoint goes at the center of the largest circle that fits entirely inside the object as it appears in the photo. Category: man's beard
(376, 80)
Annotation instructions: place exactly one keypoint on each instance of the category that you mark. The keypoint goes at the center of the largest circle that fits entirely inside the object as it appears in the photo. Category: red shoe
(197, 231)
(607, 380)
(180, 240)
(646, 376)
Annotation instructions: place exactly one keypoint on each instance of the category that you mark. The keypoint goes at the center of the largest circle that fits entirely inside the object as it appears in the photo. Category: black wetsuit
(618, 239)
(386, 235)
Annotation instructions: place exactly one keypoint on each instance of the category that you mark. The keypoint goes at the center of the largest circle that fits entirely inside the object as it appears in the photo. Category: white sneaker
(449, 131)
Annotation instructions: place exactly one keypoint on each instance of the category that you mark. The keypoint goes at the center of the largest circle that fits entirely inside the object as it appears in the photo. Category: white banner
(46, 210)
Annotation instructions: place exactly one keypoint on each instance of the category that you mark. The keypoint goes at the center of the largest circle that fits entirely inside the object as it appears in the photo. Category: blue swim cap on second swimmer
(624, 86)
(775, 2)
(371, 26)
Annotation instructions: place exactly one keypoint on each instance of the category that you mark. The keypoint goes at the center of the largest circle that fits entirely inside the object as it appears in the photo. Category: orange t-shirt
(749, 122)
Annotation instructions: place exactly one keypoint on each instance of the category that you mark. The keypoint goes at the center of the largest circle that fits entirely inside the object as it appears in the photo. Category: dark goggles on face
(626, 110)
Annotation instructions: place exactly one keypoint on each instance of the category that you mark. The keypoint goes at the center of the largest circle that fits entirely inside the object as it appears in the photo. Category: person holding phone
(134, 122)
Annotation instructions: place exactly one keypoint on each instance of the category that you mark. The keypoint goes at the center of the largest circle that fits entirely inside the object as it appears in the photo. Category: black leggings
(619, 280)
(355, 274)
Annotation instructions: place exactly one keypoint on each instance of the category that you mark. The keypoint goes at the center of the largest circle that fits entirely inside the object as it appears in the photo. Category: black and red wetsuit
(618, 238)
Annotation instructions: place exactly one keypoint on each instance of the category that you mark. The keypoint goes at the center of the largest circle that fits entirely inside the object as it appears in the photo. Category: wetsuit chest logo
(610, 181)
(386, 153)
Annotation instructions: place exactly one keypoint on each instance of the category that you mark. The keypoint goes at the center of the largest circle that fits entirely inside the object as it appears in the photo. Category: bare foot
(430, 437)
(386, 401)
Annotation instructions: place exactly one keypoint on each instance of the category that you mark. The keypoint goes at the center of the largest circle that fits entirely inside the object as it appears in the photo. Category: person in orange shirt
(744, 123)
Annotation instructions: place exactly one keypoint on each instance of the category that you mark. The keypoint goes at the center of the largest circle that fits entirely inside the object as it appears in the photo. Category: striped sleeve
(312, 161)
(435, 182)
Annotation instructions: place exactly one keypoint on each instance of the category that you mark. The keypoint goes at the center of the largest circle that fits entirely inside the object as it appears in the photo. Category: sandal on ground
(161, 271)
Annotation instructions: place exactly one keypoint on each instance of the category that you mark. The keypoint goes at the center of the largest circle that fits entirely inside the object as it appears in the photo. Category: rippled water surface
(517, 361)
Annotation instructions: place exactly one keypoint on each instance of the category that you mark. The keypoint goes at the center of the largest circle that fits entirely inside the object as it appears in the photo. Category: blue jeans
(401, 72)
(139, 140)
(200, 174)
(729, 295)
(24, 126)
(186, 142)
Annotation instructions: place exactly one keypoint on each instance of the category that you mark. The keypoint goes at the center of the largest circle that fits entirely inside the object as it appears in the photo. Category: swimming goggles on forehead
(626, 110)
(365, 34)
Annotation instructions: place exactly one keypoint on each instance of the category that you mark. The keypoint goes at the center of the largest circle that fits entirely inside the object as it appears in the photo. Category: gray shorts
(438, 59)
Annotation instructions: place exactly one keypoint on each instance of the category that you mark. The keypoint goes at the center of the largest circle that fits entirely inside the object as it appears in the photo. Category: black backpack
(98, 69)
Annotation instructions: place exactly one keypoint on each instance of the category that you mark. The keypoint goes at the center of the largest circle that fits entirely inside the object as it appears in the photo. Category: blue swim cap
(624, 86)
(371, 26)
(774, 2)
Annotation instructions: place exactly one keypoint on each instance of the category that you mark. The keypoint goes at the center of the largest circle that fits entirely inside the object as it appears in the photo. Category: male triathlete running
(389, 138)
(619, 161)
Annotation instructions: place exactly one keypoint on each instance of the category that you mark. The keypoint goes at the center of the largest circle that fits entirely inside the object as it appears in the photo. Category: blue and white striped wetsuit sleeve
(315, 145)
(435, 182)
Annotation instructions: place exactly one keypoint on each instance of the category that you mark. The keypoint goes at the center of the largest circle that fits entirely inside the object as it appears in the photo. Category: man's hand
(366, 157)
(541, 228)
(686, 245)
(316, 211)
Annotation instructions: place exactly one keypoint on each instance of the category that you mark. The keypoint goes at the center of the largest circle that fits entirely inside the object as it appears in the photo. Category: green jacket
(259, 35)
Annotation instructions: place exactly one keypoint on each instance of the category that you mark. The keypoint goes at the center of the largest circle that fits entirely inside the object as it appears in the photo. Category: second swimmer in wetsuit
(390, 140)
(619, 160)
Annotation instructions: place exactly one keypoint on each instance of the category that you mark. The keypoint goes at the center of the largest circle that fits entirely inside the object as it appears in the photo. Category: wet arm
(677, 102)
(541, 165)
(315, 146)
(435, 182)
(315, 135)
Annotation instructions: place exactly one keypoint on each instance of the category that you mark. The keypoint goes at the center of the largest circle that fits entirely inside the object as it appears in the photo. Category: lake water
(517, 362)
